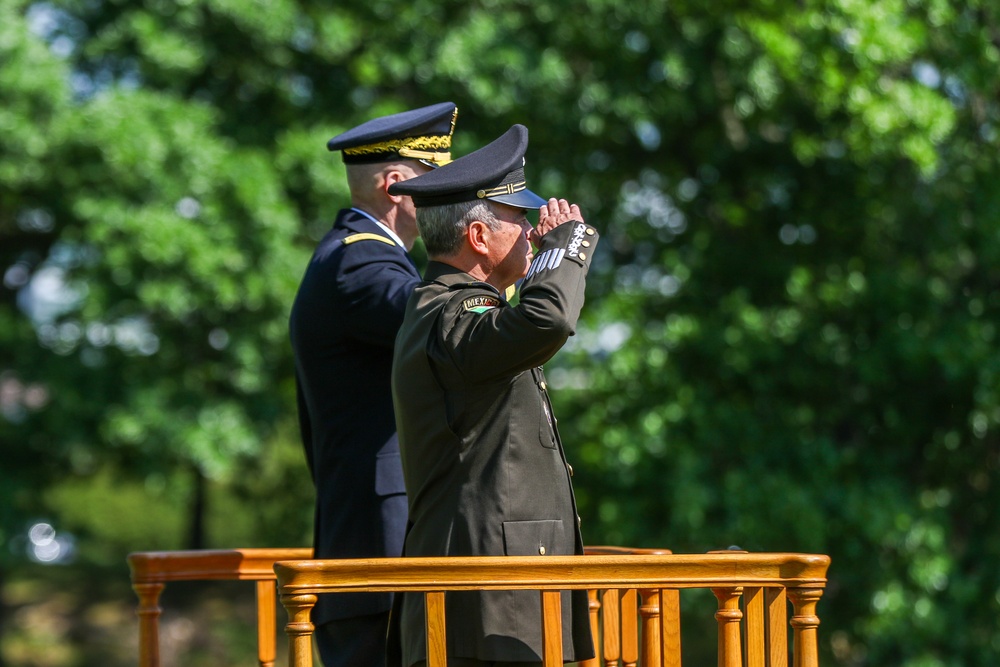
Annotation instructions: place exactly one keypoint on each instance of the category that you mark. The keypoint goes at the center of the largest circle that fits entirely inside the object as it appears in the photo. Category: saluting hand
(553, 214)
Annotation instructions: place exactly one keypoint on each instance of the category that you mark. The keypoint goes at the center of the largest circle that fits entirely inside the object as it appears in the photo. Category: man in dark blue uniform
(343, 323)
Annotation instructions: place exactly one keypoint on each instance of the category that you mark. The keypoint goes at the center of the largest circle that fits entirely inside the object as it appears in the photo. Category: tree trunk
(196, 527)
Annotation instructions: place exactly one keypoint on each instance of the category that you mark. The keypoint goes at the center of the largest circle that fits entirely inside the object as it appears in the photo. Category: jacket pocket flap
(532, 538)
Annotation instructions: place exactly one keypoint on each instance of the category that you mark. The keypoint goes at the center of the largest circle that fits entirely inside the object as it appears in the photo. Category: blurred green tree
(790, 340)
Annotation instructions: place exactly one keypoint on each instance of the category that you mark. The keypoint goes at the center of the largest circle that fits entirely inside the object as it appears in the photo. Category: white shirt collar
(388, 231)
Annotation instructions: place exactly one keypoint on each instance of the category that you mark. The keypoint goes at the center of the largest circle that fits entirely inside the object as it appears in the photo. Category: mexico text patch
(480, 304)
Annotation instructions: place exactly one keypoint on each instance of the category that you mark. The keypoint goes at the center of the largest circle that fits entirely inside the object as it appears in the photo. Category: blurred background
(790, 341)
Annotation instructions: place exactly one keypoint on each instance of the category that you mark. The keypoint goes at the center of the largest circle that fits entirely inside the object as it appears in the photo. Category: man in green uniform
(484, 467)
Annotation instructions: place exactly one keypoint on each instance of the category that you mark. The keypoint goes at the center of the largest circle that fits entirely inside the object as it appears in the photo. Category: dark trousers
(353, 642)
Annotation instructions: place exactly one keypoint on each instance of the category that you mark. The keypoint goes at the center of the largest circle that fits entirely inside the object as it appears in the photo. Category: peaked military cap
(494, 172)
(419, 134)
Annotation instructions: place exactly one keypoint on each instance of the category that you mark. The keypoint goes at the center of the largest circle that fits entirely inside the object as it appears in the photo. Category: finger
(564, 207)
(553, 205)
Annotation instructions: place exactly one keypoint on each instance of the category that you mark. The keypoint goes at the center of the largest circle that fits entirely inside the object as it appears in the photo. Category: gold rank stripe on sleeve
(480, 304)
(354, 238)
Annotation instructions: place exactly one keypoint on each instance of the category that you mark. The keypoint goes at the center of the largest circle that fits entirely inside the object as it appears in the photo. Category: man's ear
(394, 176)
(477, 234)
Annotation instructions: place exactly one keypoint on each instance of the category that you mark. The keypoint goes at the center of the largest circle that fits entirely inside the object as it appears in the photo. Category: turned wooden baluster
(670, 627)
(649, 610)
(148, 612)
(594, 607)
(729, 617)
(299, 629)
(804, 623)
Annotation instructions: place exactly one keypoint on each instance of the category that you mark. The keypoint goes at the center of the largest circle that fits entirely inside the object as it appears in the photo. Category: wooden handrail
(728, 575)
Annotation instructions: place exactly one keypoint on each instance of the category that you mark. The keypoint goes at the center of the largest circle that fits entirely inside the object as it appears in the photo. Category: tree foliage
(790, 338)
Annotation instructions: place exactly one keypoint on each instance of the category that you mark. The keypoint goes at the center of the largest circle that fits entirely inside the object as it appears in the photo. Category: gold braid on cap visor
(508, 189)
(418, 148)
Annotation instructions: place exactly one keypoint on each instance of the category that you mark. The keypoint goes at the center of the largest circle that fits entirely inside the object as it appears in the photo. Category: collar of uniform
(385, 229)
(449, 276)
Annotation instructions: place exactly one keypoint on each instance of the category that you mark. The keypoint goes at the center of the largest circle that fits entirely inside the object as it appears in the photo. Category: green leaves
(790, 341)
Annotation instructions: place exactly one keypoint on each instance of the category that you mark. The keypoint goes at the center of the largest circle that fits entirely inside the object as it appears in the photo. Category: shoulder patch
(480, 304)
(354, 238)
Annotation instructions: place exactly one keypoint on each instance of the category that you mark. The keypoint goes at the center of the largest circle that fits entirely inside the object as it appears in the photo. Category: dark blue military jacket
(343, 323)
(485, 469)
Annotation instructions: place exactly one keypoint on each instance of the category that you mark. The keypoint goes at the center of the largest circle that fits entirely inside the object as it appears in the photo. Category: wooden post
(148, 612)
(552, 648)
(267, 649)
(435, 630)
(611, 627)
(729, 617)
(756, 638)
(777, 627)
(630, 629)
(650, 612)
(804, 623)
(299, 629)
(670, 627)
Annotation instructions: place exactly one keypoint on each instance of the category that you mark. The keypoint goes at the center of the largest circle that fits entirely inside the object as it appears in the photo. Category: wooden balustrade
(632, 624)
(152, 570)
(764, 583)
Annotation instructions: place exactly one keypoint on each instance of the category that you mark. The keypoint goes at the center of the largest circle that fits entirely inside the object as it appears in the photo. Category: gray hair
(442, 227)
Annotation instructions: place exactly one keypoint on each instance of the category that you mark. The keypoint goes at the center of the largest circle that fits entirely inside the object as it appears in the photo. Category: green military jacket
(483, 464)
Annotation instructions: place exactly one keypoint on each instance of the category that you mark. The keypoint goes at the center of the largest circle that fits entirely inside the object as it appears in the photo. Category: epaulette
(354, 238)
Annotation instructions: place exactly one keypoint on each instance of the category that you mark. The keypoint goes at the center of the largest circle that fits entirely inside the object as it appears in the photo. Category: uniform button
(578, 521)
(542, 385)
(590, 231)
(541, 551)
(585, 244)
(570, 469)
(583, 256)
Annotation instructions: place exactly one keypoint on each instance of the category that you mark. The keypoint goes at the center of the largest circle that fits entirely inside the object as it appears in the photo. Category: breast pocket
(532, 538)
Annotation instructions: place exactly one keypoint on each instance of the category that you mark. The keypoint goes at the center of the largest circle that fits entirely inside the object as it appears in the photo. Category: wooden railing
(766, 583)
(152, 570)
(622, 637)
